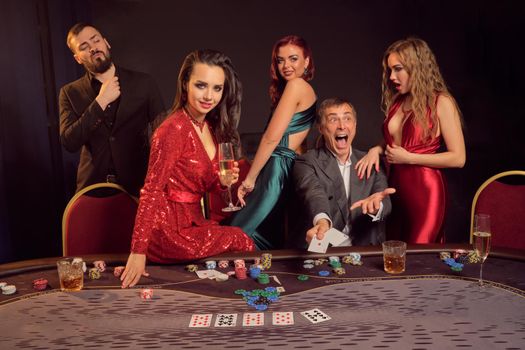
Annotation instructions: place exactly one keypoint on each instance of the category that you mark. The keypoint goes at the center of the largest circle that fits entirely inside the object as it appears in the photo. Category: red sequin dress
(418, 206)
(170, 226)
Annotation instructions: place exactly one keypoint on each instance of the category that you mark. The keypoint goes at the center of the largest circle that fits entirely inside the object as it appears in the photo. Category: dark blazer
(125, 144)
(320, 188)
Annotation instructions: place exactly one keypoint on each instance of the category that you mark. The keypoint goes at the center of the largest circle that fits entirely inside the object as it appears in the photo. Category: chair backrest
(98, 225)
(505, 203)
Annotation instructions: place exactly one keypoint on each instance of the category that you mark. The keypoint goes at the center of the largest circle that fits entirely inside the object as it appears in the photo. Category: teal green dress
(263, 216)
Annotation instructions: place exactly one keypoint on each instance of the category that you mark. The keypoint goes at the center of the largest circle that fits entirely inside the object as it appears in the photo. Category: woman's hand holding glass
(228, 172)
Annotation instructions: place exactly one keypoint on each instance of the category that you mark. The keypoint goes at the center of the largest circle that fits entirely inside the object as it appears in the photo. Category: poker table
(429, 306)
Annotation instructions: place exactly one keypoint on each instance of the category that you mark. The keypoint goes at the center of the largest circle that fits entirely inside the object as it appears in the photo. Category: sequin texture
(170, 226)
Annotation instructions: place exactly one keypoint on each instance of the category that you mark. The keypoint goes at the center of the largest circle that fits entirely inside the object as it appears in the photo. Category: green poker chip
(303, 277)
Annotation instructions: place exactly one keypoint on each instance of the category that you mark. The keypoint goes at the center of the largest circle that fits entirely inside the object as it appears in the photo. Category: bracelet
(246, 187)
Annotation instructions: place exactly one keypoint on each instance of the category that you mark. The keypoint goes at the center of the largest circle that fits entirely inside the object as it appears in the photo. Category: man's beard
(101, 64)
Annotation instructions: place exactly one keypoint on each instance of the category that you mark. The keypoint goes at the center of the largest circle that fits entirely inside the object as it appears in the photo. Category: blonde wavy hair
(426, 81)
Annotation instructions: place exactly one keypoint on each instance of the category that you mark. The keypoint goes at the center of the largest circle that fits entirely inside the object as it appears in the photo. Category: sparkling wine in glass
(226, 160)
(481, 241)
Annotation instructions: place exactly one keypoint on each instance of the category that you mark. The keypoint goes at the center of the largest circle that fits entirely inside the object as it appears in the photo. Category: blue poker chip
(324, 273)
(270, 289)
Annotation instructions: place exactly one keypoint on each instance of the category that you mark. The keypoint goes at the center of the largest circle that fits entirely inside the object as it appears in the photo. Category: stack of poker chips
(223, 264)
(146, 293)
(7, 289)
(211, 264)
(454, 265)
(94, 273)
(308, 264)
(240, 273)
(319, 262)
(40, 284)
(192, 268)
(353, 259)
(339, 271)
(259, 299)
(335, 264)
(117, 271)
(100, 265)
(239, 263)
(266, 261)
(263, 278)
(255, 271)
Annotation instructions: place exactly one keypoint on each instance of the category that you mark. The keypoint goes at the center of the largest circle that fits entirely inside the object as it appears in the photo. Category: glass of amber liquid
(70, 274)
(394, 256)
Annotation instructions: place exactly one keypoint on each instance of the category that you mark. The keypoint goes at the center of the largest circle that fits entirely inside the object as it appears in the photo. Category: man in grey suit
(327, 184)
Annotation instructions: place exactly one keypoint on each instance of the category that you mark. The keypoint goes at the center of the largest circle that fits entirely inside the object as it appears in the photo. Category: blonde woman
(421, 114)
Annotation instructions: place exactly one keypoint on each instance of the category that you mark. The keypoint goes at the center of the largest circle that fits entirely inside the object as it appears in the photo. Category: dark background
(478, 44)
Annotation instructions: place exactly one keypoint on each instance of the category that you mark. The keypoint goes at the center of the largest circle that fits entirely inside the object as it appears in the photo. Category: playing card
(318, 246)
(282, 318)
(251, 319)
(335, 237)
(200, 320)
(226, 320)
(206, 273)
(280, 289)
(315, 316)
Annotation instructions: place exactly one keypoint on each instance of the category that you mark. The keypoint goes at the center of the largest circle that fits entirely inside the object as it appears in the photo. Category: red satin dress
(419, 204)
(170, 226)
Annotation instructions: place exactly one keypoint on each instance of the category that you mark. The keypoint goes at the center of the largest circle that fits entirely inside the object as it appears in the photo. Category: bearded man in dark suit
(107, 114)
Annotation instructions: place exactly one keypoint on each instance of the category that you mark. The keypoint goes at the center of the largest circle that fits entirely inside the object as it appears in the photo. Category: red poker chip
(40, 284)
(146, 293)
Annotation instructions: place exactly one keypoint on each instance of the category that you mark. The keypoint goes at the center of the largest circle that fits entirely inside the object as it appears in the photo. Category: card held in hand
(335, 237)
(318, 246)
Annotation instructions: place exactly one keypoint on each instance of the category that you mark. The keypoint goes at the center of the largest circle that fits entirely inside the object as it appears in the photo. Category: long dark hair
(278, 83)
(224, 118)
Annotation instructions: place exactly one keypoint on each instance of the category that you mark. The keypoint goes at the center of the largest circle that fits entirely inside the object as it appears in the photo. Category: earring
(305, 72)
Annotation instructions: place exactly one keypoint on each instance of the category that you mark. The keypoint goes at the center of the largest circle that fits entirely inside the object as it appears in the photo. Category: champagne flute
(226, 160)
(481, 243)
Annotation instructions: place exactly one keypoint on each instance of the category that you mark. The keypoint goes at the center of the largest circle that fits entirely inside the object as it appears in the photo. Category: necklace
(195, 122)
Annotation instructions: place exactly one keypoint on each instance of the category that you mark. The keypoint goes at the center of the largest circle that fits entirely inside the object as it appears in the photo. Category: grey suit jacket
(320, 188)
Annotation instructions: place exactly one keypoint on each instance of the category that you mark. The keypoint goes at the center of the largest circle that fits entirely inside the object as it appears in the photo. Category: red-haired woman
(293, 105)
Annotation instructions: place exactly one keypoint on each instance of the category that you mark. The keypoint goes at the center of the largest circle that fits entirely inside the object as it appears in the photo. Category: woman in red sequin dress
(183, 165)
(420, 115)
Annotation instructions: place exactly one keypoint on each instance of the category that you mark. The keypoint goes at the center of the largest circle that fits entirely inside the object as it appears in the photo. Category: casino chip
(259, 299)
(324, 273)
(303, 278)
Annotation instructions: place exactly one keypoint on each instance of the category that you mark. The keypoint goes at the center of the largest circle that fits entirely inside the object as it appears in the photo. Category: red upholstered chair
(98, 225)
(213, 202)
(505, 203)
